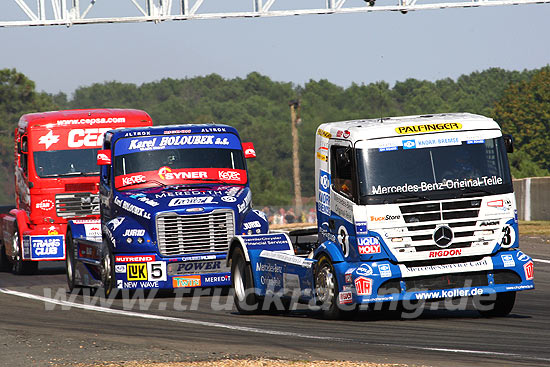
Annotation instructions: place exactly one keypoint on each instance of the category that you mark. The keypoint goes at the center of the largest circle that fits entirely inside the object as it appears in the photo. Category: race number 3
(156, 271)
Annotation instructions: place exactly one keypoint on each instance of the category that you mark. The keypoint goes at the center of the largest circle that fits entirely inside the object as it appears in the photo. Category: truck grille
(75, 205)
(194, 233)
(422, 220)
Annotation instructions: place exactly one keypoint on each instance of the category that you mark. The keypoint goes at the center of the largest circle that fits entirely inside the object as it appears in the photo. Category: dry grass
(534, 228)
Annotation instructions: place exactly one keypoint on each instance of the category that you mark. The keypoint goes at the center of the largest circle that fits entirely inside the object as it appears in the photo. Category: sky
(346, 48)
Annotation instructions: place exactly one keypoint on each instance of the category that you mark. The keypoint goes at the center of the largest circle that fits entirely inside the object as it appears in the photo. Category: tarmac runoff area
(246, 363)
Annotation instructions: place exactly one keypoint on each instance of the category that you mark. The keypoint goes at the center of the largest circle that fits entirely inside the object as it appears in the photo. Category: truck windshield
(179, 159)
(71, 162)
(410, 173)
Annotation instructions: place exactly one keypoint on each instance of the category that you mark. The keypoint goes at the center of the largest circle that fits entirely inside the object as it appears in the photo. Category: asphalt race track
(37, 331)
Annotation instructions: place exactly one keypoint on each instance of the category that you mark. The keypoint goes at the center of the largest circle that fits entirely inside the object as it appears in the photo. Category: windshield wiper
(410, 198)
(474, 191)
(70, 174)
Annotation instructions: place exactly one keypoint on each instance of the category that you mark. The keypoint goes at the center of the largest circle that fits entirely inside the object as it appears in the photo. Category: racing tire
(70, 261)
(20, 266)
(501, 306)
(326, 292)
(5, 264)
(108, 278)
(245, 298)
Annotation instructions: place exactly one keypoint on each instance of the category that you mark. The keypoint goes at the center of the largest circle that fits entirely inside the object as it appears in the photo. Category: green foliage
(17, 97)
(524, 112)
(258, 107)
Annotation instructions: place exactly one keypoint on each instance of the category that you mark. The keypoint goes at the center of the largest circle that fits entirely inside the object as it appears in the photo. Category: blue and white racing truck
(171, 199)
(409, 209)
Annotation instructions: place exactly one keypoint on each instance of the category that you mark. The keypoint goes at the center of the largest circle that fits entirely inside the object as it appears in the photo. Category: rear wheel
(245, 298)
(326, 291)
(70, 260)
(20, 266)
(501, 306)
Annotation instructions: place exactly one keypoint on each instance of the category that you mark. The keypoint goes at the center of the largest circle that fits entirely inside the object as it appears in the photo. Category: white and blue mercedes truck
(414, 208)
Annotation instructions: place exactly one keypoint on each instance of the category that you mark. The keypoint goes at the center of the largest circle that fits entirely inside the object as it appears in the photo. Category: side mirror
(508, 143)
(249, 151)
(104, 157)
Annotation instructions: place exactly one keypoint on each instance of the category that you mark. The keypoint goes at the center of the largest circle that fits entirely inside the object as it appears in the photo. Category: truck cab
(408, 208)
(56, 180)
(171, 199)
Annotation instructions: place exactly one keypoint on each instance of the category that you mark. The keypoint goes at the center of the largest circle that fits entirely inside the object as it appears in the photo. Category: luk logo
(409, 144)
(137, 271)
(363, 286)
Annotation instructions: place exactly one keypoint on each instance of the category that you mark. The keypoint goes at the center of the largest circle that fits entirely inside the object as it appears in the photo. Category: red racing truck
(56, 180)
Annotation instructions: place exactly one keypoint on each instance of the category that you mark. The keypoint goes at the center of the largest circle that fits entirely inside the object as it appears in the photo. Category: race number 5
(156, 271)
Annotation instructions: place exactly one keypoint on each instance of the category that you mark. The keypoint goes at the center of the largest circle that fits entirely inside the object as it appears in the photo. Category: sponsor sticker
(364, 270)
(363, 286)
(445, 253)
(385, 270)
(345, 298)
(368, 245)
(120, 269)
(136, 271)
(186, 281)
(508, 260)
(529, 270)
(323, 199)
(47, 247)
(134, 259)
(45, 205)
(523, 257)
(215, 279)
(428, 128)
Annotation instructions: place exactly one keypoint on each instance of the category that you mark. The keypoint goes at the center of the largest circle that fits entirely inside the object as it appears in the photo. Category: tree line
(259, 108)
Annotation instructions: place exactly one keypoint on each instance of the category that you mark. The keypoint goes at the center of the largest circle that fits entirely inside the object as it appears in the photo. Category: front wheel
(245, 298)
(20, 266)
(326, 291)
(70, 261)
(501, 306)
(107, 270)
(5, 264)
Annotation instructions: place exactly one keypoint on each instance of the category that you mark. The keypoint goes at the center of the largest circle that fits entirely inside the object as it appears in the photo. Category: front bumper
(382, 281)
(136, 271)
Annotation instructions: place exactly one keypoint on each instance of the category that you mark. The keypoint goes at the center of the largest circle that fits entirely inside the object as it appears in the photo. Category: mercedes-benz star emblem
(443, 236)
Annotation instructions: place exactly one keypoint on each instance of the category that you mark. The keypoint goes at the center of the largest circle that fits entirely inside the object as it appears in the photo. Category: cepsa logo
(86, 137)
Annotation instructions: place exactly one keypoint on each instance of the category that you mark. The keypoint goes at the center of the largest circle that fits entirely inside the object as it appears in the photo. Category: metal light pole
(295, 120)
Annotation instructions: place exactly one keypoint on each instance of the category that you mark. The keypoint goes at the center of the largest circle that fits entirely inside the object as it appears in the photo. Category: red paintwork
(35, 212)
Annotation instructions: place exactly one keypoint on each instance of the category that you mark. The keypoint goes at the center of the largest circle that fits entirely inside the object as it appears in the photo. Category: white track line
(254, 330)
(542, 261)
